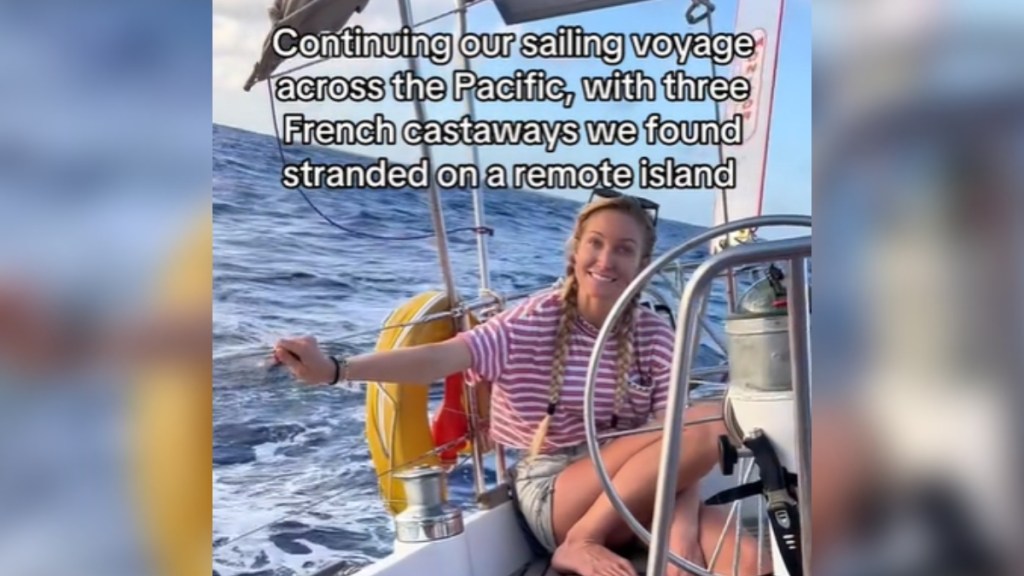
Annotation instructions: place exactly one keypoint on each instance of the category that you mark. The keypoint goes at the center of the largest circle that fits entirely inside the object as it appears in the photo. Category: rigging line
(423, 236)
(708, 17)
(469, 4)
(336, 493)
(493, 299)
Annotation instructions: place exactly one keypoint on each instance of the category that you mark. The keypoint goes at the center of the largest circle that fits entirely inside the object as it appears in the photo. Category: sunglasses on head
(649, 206)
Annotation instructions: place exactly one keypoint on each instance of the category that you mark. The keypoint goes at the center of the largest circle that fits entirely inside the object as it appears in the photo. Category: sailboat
(767, 370)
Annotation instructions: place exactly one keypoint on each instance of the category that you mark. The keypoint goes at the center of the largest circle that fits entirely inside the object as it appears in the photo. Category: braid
(638, 211)
(624, 360)
(558, 367)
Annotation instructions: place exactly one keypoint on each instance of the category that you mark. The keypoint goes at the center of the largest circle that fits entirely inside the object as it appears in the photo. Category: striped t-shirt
(515, 352)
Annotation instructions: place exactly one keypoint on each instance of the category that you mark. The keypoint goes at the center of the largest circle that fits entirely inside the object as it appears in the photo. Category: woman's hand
(305, 360)
(690, 550)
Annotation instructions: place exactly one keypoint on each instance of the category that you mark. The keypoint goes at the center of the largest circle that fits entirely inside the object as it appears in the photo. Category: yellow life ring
(397, 421)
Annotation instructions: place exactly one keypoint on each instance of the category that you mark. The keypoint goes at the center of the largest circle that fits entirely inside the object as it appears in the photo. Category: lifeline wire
(340, 491)
(280, 148)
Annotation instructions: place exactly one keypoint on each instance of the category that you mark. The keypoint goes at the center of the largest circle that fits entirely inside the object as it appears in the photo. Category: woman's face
(609, 254)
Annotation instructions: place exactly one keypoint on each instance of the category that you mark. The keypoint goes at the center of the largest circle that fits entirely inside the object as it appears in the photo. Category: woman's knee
(705, 418)
(632, 444)
(701, 442)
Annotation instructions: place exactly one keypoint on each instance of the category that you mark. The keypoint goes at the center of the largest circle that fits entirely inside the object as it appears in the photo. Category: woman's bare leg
(575, 493)
(584, 519)
(684, 534)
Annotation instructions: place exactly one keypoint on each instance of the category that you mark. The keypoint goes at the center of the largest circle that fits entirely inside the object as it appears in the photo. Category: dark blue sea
(294, 489)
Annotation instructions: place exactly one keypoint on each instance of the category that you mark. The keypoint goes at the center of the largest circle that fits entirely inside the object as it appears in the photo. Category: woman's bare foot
(687, 550)
(587, 558)
(713, 522)
(684, 535)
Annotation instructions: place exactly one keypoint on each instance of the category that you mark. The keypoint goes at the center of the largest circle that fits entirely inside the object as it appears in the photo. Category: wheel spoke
(728, 519)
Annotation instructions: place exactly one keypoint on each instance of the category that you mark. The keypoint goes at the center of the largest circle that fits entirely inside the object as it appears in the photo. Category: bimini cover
(305, 16)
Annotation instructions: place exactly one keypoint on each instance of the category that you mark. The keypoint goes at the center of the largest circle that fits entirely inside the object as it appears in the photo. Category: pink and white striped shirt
(515, 352)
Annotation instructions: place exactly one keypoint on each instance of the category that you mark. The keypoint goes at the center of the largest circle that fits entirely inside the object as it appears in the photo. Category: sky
(240, 26)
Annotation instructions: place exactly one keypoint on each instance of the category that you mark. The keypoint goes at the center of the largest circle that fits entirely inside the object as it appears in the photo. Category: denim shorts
(534, 485)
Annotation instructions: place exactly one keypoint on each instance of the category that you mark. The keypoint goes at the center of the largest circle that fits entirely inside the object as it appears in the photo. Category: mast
(462, 63)
(436, 216)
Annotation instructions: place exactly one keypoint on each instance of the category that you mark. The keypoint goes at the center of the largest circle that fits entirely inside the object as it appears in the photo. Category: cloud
(243, 10)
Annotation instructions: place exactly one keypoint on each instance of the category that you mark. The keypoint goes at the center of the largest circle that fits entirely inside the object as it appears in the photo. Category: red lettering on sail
(753, 70)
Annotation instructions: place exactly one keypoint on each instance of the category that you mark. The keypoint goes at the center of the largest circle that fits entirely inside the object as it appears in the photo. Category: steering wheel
(686, 335)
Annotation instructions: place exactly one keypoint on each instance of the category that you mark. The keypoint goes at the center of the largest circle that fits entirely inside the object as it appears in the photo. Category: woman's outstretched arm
(418, 364)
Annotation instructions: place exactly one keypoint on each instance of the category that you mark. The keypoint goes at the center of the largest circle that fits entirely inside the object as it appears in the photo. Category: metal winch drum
(759, 355)
(427, 516)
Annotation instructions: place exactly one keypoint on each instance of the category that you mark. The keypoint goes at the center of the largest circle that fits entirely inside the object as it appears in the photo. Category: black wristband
(337, 371)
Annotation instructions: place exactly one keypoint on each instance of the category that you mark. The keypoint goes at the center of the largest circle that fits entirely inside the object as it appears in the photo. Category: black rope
(422, 236)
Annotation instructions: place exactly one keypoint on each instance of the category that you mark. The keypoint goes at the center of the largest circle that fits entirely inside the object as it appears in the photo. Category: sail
(763, 20)
(305, 16)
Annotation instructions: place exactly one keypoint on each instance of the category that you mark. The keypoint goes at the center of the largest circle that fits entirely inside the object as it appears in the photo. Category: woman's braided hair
(624, 331)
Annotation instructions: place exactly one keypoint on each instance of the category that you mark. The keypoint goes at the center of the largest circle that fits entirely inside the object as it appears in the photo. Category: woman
(536, 356)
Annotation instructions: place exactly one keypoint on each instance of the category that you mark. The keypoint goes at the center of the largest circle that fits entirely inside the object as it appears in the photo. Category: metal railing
(694, 294)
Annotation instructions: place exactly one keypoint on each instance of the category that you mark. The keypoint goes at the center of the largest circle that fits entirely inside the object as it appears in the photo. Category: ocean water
(294, 489)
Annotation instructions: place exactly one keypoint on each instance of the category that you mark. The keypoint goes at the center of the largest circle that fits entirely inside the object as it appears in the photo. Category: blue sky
(239, 28)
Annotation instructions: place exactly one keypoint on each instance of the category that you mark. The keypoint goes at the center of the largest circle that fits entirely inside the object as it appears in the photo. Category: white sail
(763, 20)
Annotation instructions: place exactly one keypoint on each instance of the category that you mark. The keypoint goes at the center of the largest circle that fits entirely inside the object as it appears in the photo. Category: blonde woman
(536, 356)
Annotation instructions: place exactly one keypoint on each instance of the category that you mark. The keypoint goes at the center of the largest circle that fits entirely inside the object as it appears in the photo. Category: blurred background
(919, 149)
(104, 287)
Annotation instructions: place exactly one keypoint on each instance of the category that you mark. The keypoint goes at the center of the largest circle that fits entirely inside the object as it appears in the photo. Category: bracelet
(338, 375)
(337, 371)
